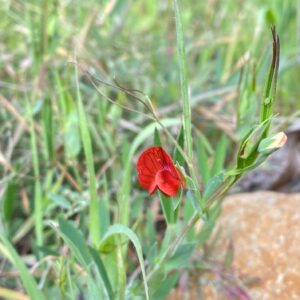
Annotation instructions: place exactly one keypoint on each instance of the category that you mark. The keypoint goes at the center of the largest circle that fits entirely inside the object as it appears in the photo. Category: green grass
(69, 154)
(94, 207)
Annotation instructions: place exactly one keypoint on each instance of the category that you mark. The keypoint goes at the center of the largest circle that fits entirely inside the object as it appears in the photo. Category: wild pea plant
(118, 259)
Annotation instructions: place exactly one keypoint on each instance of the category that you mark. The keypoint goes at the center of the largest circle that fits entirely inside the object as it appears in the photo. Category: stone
(264, 229)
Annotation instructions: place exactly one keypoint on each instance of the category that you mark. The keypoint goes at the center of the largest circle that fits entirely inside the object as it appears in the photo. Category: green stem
(184, 84)
(187, 120)
(38, 206)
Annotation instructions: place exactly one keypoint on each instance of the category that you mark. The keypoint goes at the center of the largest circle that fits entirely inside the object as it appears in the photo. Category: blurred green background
(228, 48)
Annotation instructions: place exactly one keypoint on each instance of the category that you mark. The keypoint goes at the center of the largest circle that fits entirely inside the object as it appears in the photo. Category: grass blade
(48, 133)
(203, 165)
(220, 156)
(102, 271)
(27, 279)
(121, 229)
(75, 241)
(38, 206)
(187, 122)
(94, 217)
(177, 155)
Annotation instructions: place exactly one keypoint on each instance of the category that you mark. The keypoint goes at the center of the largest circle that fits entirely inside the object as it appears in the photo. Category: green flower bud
(272, 143)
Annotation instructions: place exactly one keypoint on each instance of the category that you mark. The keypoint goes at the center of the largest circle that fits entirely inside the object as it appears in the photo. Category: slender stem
(187, 119)
(184, 84)
(174, 245)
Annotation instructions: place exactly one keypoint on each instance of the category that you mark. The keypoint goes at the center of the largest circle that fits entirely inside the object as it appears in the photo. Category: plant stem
(187, 120)
(183, 81)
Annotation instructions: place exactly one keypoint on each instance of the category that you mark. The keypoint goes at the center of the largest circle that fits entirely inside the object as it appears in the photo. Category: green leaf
(75, 241)
(220, 155)
(59, 200)
(125, 152)
(28, 281)
(9, 200)
(94, 216)
(202, 159)
(101, 268)
(104, 216)
(121, 229)
(187, 122)
(165, 287)
(157, 141)
(196, 205)
(72, 135)
(188, 212)
(169, 235)
(213, 184)
(48, 128)
(176, 204)
(167, 208)
(151, 231)
(180, 259)
(38, 199)
(69, 119)
(180, 141)
(209, 225)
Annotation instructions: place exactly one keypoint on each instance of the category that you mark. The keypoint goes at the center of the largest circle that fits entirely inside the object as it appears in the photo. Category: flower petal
(168, 183)
(152, 188)
(151, 161)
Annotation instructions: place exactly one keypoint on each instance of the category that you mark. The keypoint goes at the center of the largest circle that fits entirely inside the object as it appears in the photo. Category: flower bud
(272, 143)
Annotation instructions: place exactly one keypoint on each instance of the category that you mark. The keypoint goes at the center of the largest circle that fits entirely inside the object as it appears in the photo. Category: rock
(264, 230)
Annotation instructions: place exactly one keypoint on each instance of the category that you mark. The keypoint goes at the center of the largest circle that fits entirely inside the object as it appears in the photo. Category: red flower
(156, 170)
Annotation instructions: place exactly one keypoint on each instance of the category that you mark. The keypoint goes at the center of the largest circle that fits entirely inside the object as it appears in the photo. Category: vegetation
(86, 86)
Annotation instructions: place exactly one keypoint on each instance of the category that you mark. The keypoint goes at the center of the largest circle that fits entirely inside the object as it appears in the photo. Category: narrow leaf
(121, 229)
(94, 216)
(157, 141)
(28, 281)
(177, 154)
(74, 239)
(220, 155)
(102, 271)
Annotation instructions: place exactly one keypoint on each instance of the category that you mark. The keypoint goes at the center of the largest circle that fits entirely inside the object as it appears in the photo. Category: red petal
(149, 163)
(168, 183)
(152, 188)
(153, 161)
